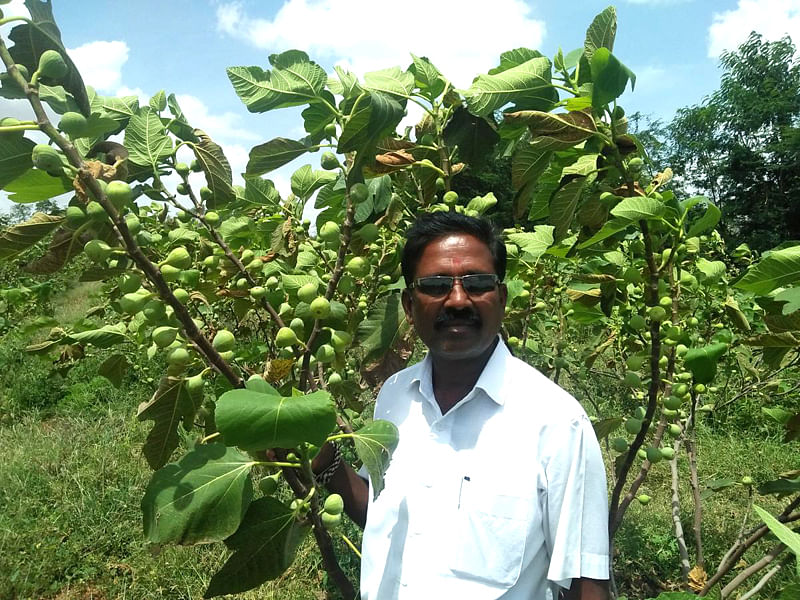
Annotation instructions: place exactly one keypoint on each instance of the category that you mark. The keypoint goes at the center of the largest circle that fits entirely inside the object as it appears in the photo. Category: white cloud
(221, 126)
(658, 2)
(461, 41)
(771, 18)
(100, 63)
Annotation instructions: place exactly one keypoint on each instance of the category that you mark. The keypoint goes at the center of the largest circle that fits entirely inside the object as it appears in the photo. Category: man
(497, 487)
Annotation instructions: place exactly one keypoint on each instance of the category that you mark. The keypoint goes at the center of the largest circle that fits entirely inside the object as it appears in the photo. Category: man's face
(457, 325)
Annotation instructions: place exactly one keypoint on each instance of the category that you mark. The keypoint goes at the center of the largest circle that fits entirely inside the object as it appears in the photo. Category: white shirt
(502, 497)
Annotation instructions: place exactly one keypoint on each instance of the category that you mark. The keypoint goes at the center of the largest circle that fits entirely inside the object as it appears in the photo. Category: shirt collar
(491, 380)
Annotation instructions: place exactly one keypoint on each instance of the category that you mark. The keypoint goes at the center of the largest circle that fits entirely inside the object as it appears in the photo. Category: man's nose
(457, 296)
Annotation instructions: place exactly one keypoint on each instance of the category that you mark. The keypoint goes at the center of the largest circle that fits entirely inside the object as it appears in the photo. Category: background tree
(741, 145)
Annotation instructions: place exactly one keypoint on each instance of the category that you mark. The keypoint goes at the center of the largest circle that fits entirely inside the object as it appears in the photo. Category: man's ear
(407, 301)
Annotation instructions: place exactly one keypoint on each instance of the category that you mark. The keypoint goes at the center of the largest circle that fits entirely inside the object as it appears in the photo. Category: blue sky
(183, 46)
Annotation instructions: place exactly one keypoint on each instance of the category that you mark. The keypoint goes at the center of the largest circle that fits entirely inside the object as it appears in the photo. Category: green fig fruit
(74, 124)
(164, 336)
(307, 293)
(334, 504)
(223, 341)
(285, 338)
(52, 65)
(178, 257)
(320, 307)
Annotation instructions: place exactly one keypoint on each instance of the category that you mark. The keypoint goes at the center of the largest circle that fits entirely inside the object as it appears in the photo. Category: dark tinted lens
(435, 286)
(478, 284)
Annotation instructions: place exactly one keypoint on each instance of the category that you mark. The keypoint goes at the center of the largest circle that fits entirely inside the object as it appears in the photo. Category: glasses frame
(452, 280)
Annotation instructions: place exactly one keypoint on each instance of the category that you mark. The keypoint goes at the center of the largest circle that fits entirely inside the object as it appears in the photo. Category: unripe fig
(164, 336)
(633, 426)
(329, 232)
(75, 216)
(657, 313)
(672, 402)
(634, 363)
(632, 379)
(133, 224)
(334, 505)
(179, 357)
(667, 453)
(330, 521)
(223, 341)
(298, 327)
(334, 379)
(169, 273)
(74, 124)
(328, 161)
(674, 430)
(182, 168)
(450, 197)
(212, 218)
(258, 292)
(359, 192)
(119, 193)
(357, 267)
(285, 338)
(330, 130)
(619, 445)
(52, 65)
(340, 340)
(654, 454)
(269, 485)
(307, 292)
(130, 283)
(369, 233)
(643, 499)
(637, 322)
(181, 295)
(179, 258)
(46, 158)
(325, 354)
(665, 301)
(746, 480)
(320, 307)
(97, 250)
(440, 184)
(134, 303)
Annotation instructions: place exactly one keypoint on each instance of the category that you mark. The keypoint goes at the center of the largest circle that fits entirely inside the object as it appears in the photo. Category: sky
(125, 47)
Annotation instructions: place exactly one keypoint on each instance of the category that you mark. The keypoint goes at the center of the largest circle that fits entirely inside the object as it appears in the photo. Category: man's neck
(453, 379)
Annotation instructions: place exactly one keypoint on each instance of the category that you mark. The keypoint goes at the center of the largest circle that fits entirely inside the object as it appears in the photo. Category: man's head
(456, 318)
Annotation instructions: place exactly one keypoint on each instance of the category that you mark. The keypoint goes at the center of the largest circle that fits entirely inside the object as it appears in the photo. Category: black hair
(432, 226)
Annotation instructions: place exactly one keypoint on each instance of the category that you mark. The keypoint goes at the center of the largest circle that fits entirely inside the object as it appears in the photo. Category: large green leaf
(202, 498)
(375, 444)
(572, 127)
(563, 205)
(482, 203)
(531, 160)
(179, 124)
(35, 185)
(782, 532)
(113, 368)
(427, 77)
(779, 268)
(609, 77)
(474, 136)
(707, 222)
(374, 116)
(275, 153)
(601, 32)
(534, 243)
(383, 326)
(702, 362)
(514, 58)
(392, 81)
(216, 168)
(525, 84)
(146, 139)
(15, 158)
(263, 193)
(294, 80)
(257, 421)
(19, 238)
(264, 547)
(710, 270)
(612, 227)
(31, 39)
(170, 405)
(638, 208)
(105, 337)
(306, 181)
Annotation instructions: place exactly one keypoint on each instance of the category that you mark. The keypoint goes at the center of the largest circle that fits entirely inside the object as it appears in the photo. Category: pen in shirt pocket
(461, 489)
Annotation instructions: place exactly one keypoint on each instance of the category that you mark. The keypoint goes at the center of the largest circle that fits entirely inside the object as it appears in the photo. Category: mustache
(466, 317)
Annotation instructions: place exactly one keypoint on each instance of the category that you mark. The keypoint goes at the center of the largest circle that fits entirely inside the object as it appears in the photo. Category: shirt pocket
(489, 535)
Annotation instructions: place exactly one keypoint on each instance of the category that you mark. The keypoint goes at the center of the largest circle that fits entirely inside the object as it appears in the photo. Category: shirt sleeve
(576, 507)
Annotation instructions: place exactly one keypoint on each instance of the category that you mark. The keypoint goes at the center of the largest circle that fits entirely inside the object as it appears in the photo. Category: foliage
(273, 339)
(741, 145)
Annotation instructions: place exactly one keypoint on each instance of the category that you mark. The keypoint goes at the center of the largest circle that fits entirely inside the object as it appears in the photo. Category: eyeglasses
(438, 286)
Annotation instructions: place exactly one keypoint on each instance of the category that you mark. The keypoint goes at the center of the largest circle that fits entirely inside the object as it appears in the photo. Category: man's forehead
(454, 250)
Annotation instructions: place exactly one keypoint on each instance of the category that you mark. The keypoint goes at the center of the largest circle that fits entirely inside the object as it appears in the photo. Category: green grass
(70, 521)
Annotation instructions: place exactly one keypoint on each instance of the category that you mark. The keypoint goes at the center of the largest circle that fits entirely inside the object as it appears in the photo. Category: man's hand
(587, 589)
